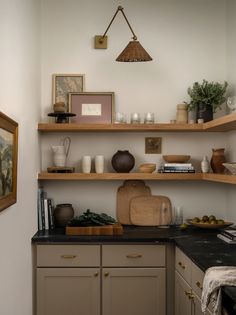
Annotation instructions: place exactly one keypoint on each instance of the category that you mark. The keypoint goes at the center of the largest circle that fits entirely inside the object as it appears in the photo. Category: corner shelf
(225, 123)
(219, 178)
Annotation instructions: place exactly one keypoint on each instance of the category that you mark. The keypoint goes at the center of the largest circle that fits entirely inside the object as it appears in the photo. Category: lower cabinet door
(182, 294)
(134, 291)
(197, 307)
(68, 291)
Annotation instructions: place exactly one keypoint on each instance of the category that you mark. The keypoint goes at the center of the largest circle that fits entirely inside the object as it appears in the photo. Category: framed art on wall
(63, 84)
(8, 161)
(92, 107)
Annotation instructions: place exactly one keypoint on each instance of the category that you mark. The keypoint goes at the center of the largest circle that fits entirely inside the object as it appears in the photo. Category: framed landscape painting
(63, 84)
(8, 161)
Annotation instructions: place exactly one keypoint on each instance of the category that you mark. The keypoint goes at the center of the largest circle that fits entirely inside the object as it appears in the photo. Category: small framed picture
(8, 161)
(92, 107)
(63, 84)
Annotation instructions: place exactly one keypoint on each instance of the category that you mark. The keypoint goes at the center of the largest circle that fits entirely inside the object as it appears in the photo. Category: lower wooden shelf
(220, 178)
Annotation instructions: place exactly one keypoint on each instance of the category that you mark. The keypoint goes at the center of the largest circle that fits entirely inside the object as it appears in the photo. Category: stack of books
(176, 168)
(228, 235)
(45, 211)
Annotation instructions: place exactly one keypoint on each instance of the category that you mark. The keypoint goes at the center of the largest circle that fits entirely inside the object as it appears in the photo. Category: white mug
(86, 164)
(99, 164)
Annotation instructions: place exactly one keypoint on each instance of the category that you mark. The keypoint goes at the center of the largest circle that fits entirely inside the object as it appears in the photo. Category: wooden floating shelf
(220, 178)
(225, 123)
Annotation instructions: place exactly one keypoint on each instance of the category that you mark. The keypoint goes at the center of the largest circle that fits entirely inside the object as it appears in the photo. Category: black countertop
(201, 246)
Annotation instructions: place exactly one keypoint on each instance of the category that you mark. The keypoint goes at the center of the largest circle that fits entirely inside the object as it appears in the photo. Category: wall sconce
(133, 52)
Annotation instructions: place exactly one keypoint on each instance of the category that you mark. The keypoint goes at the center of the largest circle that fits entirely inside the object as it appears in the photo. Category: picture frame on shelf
(63, 84)
(92, 107)
(8, 161)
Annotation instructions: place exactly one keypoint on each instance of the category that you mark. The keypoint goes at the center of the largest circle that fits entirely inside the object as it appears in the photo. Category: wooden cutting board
(129, 190)
(150, 210)
(113, 229)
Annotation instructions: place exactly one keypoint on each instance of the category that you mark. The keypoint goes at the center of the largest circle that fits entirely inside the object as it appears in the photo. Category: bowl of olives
(209, 222)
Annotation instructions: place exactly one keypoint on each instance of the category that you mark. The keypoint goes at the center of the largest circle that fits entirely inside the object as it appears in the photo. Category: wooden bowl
(176, 158)
(147, 168)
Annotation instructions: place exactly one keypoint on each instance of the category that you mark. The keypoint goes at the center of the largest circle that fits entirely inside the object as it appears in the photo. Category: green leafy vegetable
(90, 218)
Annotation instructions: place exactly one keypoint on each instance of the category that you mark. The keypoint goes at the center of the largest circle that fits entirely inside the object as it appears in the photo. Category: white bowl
(231, 167)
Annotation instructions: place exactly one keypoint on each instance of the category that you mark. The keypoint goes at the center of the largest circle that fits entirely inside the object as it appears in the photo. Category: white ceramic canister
(86, 164)
(99, 164)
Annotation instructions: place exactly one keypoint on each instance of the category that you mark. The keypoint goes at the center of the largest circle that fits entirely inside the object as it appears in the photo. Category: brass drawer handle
(106, 274)
(68, 256)
(134, 256)
(198, 284)
(181, 265)
(96, 274)
(189, 295)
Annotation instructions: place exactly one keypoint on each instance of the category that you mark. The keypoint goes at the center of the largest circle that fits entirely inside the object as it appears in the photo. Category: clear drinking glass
(120, 118)
(149, 118)
(135, 118)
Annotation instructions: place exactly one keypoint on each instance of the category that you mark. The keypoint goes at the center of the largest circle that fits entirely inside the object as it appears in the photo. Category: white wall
(181, 38)
(20, 99)
(231, 78)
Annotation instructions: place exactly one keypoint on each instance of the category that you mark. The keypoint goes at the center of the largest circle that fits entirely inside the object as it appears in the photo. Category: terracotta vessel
(62, 214)
(123, 161)
(217, 160)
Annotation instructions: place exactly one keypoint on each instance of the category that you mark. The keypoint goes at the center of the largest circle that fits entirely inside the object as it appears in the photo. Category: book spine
(46, 214)
(178, 168)
(50, 213)
(177, 164)
(176, 171)
(40, 223)
(42, 197)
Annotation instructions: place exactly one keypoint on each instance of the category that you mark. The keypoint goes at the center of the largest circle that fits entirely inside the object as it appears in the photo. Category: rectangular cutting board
(113, 229)
(150, 211)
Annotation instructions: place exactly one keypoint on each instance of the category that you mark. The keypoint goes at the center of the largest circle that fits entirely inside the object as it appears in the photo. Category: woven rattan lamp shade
(134, 52)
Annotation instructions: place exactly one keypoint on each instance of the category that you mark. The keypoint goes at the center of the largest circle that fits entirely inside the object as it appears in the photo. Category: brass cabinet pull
(134, 256)
(68, 256)
(198, 284)
(181, 265)
(106, 274)
(96, 274)
(189, 295)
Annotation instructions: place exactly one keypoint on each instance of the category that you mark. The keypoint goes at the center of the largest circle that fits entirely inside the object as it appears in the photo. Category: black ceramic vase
(123, 161)
(63, 213)
(204, 112)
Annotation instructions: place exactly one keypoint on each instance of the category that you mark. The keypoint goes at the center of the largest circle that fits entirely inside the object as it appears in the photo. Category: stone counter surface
(200, 245)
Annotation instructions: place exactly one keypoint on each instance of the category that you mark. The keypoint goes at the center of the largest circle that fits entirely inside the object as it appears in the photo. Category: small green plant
(207, 93)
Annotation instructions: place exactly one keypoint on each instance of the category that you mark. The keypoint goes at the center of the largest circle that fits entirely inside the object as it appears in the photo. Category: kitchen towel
(215, 278)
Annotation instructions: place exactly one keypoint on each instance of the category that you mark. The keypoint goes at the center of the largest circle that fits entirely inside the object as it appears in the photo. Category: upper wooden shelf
(220, 178)
(225, 123)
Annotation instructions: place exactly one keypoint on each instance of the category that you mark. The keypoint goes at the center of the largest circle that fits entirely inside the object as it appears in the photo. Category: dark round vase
(204, 112)
(123, 161)
(63, 213)
(217, 160)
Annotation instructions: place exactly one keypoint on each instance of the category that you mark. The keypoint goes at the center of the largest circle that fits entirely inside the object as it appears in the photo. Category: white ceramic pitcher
(60, 152)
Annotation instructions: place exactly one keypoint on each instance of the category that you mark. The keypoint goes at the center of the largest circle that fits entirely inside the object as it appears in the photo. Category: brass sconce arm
(134, 52)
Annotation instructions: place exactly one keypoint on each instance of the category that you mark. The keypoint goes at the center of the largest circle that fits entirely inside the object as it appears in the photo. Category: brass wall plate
(153, 145)
(98, 44)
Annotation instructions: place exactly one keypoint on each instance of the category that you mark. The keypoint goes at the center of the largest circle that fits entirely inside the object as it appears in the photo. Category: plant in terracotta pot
(206, 98)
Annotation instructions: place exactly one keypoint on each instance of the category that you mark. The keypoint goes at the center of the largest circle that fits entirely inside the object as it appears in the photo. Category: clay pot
(123, 161)
(62, 214)
(217, 159)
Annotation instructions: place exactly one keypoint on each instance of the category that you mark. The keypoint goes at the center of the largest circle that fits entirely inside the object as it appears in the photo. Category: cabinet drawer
(133, 255)
(183, 265)
(68, 255)
(197, 280)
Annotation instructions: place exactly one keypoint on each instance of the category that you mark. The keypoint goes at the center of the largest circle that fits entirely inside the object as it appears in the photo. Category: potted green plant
(206, 98)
